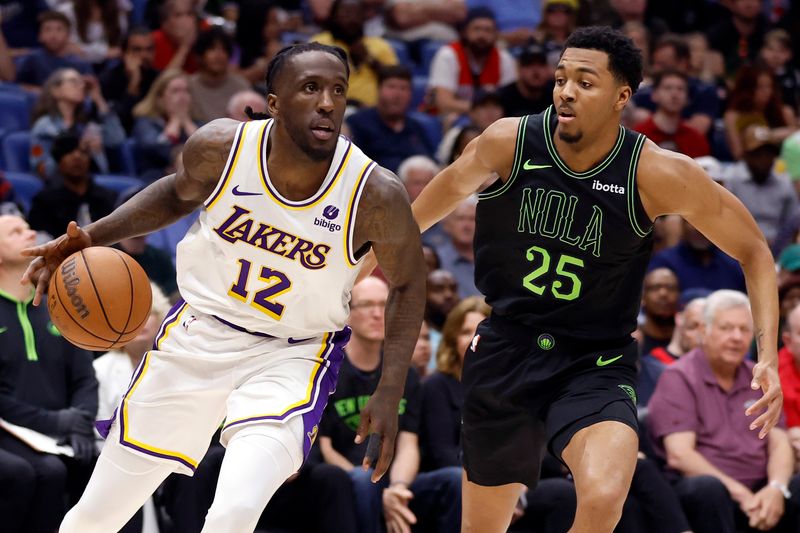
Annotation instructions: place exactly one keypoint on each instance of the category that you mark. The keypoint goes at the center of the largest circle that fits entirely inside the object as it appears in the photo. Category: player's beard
(570, 138)
(300, 138)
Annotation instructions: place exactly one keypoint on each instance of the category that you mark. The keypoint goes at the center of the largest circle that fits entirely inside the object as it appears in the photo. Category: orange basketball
(99, 298)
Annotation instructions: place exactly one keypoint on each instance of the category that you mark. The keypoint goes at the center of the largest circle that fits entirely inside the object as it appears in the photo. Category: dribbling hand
(50, 255)
(766, 378)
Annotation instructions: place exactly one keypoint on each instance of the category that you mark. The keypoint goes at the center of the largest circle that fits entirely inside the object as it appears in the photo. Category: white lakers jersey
(267, 264)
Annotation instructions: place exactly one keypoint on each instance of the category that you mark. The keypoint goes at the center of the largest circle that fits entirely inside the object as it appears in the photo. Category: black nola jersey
(564, 251)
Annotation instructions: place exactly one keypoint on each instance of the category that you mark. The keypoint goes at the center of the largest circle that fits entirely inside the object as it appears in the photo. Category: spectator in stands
(473, 62)
(62, 106)
(789, 371)
(19, 24)
(738, 36)
(156, 263)
(776, 53)
(409, 495)
(416, 20)
(98, 28)
(55, 53)
(532, 92)
(705, 64)
(517, 20)
(699, 264)
(163, 120)
(770, 199)
(755, 101)
(366, 54)
(388, 133)
(558, 22)
(421, 359)
(461, 140)
(47, 385)
(457, 254)
(487, 108)
(175, 38)
(666, 127)
(687, 336)
(240, 101)
(77, 197)
(213, 84)
(730, 476)
(659, 304)
(441, 297)
(258, 36)
(125, 82)
(8, 198)
(415, 173)
(672, 52)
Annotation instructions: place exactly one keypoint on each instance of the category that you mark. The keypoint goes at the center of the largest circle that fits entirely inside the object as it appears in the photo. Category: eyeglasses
(368, 304)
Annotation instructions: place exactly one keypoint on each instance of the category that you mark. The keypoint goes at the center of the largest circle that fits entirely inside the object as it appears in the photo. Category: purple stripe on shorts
(243, 330)
(170, 318)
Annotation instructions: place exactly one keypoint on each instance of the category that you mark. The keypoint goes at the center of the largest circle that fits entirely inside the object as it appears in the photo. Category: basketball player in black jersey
(561, 247)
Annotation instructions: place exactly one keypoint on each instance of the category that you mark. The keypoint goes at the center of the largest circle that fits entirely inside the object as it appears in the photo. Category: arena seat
(25, 187)
(16, 151)
(118, 183)
(15, 111)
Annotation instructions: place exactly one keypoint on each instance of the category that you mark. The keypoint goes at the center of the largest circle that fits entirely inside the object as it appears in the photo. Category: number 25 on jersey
(264, 298)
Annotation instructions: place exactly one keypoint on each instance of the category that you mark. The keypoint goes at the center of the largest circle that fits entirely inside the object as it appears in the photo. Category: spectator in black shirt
(46, 385)
(387, 132)
(77, 198)
(126, 82)
(532, 92)
(431, 499)
(739, 36)
(659, 305)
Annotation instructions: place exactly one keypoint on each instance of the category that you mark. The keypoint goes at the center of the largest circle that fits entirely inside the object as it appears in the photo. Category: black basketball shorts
(525, 390)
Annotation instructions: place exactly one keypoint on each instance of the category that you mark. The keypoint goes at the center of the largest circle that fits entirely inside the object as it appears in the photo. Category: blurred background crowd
(97, 98)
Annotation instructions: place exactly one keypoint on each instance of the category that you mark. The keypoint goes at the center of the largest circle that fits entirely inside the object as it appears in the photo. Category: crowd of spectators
(97, 98)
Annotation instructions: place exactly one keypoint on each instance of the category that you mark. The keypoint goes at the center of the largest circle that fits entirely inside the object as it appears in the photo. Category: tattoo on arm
(174, 196)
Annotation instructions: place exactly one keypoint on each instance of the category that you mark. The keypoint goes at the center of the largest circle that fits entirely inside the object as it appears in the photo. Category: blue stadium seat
(401, 51)
(433, 128)
(15, 111)
(419, 84)
(25, 187)
(117, 183)
(427, 52)
(16, 151)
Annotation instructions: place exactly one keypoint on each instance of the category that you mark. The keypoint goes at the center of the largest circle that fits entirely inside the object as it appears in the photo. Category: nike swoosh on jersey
(604, 362)
(3, 329)
(528, 166)
(237, 192)
(291, 340)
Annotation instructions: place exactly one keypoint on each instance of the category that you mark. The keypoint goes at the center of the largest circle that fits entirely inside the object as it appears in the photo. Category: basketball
(99, 298)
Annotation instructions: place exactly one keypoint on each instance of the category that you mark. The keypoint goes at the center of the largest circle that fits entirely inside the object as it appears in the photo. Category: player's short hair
(391, 72)
(624, 58)
(722, 300)
(277, 63)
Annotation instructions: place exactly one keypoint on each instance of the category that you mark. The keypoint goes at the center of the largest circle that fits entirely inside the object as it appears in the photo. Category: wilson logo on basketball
(71, 282)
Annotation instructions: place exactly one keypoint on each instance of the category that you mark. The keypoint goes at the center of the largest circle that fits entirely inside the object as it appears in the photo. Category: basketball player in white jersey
(289, 208)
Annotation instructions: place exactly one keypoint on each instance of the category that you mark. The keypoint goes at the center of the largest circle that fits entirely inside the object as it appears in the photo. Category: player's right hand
(50, 255)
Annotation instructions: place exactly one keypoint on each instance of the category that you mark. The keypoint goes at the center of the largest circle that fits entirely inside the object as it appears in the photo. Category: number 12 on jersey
(564, 261)
(263, 299)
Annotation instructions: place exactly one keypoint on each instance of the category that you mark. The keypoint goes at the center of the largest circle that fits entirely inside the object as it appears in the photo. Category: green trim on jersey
(523, 122)
(563, 167)
(25, 324)
(631, 188)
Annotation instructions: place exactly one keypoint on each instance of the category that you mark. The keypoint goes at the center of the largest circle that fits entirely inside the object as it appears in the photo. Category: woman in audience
(163, 120)
(63, 105)
(754, 100)
(98, 27)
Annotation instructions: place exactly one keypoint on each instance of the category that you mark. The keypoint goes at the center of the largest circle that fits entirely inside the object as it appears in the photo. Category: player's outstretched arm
(492, 151)
(156, 206)
(671, 183)
(384, 219)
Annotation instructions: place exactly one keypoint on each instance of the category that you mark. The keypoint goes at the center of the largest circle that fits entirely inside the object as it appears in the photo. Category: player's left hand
(766, 378)
(379, 416)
